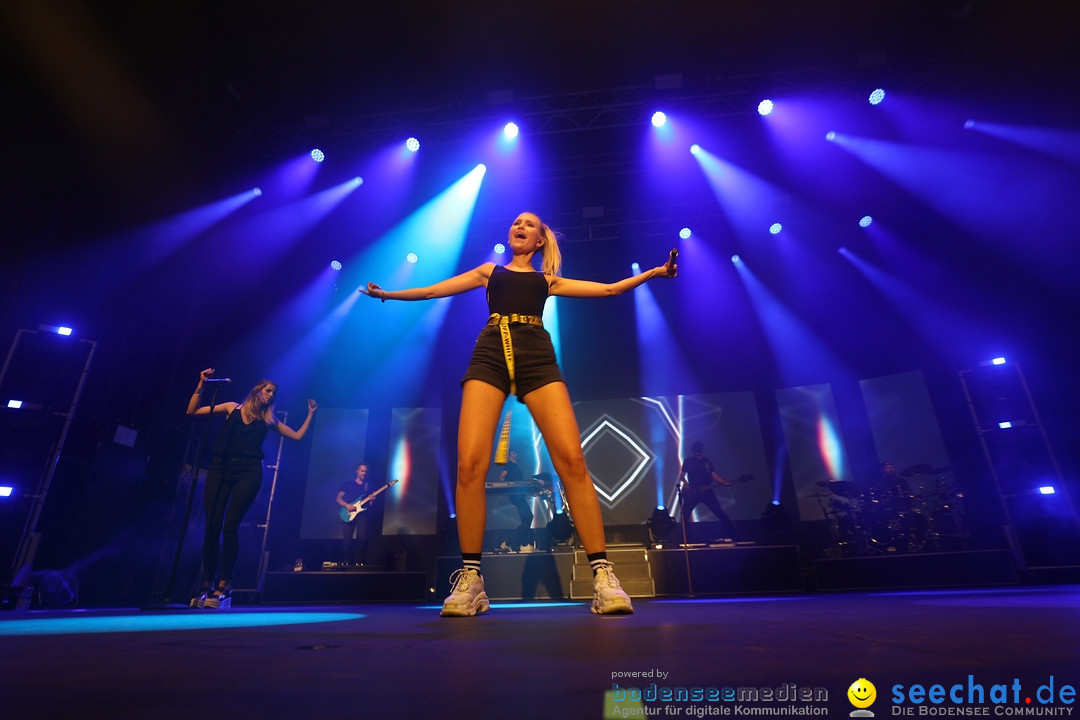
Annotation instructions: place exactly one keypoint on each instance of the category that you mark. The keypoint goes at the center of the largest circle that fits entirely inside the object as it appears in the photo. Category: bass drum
(899, 532)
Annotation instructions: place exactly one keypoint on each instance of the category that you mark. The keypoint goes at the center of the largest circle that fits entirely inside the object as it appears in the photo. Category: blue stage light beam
(751, 202)
(948, 331)
(1053, 143)
(393, 339)
(1028, 194)
(801, 358)
(666, 366)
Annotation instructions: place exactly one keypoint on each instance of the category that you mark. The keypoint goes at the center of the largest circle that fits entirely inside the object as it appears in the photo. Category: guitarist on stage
(700, 476)
(355, 533)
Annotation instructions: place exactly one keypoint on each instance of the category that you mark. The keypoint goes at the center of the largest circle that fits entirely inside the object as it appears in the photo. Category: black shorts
(534, 359)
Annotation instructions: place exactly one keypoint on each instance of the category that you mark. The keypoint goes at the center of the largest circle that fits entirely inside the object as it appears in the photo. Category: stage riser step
(624, 571)
(345, 587)
(727, 570)
(634, 587)
(618, 555)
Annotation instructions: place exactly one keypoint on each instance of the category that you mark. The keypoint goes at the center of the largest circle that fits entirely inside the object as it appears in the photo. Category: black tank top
(510, 292)
(237, 440)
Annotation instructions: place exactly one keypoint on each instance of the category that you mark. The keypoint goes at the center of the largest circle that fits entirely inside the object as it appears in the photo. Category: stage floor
(551, 660)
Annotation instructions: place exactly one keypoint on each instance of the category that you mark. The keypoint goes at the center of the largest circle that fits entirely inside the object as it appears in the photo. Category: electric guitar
(698, 489)
(361, 504)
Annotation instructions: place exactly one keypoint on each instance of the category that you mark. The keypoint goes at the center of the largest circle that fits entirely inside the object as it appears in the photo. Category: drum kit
(917, 511)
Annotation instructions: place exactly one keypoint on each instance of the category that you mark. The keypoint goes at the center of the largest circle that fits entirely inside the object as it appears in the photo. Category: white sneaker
(467, 596)
(608, 595)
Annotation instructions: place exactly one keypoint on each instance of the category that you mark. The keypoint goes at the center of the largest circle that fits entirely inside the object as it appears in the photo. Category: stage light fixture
(830, 136)
(318, 155)
(358, 181)
(736, 259)
(412, 257)
(14, 404)
(695, 149)
(775, 228)
(412, 144)
(877, 96)
(661, 526)
(510, 130)
(968, 124)
(6, 490)
(659, 119)
(635, 268)
(66, 331)
(257, 192)
(500, 248)
(865, 221)
(685, 233)
(1047, 490)
(1005, 425)
(765, 107)
(335, 265)
(560, 529)
(998, 361)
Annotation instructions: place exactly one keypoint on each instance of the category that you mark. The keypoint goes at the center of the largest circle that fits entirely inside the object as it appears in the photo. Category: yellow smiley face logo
(862, 693)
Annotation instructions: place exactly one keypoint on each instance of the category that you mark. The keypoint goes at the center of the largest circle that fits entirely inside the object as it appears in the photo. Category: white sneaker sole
(619, 607)
(479, 604)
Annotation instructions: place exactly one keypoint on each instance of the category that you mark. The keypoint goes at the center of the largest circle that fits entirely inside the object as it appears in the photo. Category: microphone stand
(685, 543)
(191, 496)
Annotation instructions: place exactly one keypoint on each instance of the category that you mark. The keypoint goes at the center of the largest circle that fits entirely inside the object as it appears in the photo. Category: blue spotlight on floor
(335, 265)
(685, 233)
(695, 149)
(765, 107)
(998, 361)
(775, 228)
(865, 221)
(500, 248)
(877, 96)
(63, 330)
(412, 257)
(318, 155)
(412, 144)
(830, 136)
(510, 131)
(659, 119)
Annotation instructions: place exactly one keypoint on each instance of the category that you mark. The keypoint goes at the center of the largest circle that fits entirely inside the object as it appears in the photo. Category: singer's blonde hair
(549, 251)
(251, 407)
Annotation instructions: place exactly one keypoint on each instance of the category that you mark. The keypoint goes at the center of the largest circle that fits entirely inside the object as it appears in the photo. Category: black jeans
(231, 488)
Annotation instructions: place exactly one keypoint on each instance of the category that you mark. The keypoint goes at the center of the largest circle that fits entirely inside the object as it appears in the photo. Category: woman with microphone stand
(234, 478)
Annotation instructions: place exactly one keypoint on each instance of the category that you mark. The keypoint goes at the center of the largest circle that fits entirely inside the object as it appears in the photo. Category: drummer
(892, 485)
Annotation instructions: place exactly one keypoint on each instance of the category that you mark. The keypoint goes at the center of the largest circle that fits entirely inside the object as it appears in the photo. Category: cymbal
(921, 469)
(843, 488)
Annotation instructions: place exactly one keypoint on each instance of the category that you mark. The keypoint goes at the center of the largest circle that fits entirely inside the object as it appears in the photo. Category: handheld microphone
(671, 261)
(220, 380)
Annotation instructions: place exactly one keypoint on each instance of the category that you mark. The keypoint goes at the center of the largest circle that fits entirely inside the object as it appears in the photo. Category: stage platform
(563, 574)
(550, 659)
